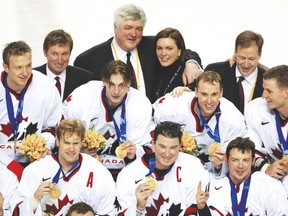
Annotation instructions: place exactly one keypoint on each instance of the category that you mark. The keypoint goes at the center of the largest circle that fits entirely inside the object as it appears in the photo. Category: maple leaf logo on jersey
(277, 153)
(7, 129)
(22, 132)
(69, 98)
(107, 135)
(161, 100)
(158, 203)
(175, 209)
(154, 210)
(61, 203)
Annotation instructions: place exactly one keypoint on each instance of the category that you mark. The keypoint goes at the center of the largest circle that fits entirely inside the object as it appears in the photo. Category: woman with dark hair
(170, 51)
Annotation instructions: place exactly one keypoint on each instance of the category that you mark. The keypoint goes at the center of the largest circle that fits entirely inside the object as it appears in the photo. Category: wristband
(259, 163)
(139, 213)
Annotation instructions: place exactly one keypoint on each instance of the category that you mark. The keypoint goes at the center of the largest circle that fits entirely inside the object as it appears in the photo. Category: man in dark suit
(57, 48)
(129, 23)
(248, 49)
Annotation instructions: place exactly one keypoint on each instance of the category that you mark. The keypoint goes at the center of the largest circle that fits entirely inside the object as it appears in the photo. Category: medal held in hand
(152, 182)
(285, 160)
(121, 153)
(215, 146)
(54, 192)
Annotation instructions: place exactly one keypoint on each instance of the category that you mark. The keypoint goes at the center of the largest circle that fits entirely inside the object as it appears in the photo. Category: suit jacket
(229, 81)
(98, 56)
(74, 77)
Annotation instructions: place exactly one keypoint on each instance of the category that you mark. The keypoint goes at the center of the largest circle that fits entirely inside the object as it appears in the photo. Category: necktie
(133, 77)
(241, 94)
(58, 84)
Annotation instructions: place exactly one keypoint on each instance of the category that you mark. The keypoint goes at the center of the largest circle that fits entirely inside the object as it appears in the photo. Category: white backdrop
(208, 26)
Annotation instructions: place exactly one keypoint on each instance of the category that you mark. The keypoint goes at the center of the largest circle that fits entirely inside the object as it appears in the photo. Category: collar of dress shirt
(121, 53)
(62, 75)
(250, 78)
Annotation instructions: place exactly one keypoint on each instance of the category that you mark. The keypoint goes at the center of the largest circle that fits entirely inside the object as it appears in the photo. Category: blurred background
(209, 27)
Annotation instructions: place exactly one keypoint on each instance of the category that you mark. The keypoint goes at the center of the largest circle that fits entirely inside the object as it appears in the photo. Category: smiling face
(167, 51)
(240, 164)
(166, 151)
(128, 34)
(19, 71)
(208, 95)
(247, 59)
(58, 58)
(275, 96)
(69, 149)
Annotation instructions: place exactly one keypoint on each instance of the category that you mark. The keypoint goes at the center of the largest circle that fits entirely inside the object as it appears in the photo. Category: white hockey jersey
(8, 186)
(180, 110)
(262, 121)
(266, 196)
(87, 104)
(40, 115)
(91, 183)
(174, 195)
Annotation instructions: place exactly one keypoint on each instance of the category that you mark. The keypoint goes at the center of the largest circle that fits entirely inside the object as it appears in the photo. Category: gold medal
(121, 153)
(15, 144)
(54, 192)
(213, 148)
(285, 160)
(152, 183)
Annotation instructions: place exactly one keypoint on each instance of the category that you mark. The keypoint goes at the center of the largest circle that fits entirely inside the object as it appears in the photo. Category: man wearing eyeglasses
(242, 81)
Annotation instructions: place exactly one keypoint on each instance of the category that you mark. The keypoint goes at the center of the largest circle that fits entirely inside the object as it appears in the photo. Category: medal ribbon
(283, 142)
(152, 166)
(239, 210)
(57, 175)
(215, 136)
(14, 122)
(120, 132)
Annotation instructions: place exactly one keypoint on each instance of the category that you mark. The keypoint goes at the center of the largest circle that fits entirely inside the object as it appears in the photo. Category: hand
(1, 204)
(47, 152)
(201, 197)
(178, 91)
(190, 73)
(276, 169)
(232, 60)
(92, 152)
(142, 193)
(131, 149)
(43, 189)
(217, 158)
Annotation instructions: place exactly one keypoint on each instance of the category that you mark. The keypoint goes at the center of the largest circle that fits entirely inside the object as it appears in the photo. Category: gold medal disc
(121, 153)
(55, 192)
(285, 160)
(152, 183)
(213, 148)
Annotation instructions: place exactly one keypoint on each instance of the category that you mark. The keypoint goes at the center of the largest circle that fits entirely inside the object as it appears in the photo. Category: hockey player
(81, 209)
(29, 104)
(8, 186)
(54, 183)
(205, 115)
(241, 192)
(120, 113)
(163, 183)
(268, 117)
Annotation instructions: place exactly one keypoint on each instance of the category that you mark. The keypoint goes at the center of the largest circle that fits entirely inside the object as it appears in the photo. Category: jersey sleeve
(126, 194)
(169, 108)
(9, 184)
(52, 116)
(22, 198)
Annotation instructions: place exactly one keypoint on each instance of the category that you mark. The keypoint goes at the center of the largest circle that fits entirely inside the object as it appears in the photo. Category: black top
(167, 78)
